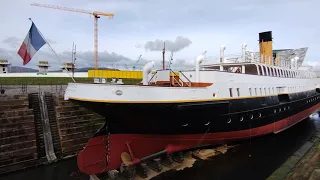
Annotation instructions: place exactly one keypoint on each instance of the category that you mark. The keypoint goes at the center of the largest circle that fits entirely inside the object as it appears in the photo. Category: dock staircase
(47, 135)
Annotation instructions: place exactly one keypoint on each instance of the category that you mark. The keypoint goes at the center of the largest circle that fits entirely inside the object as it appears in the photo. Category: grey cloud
(50, 41)
(174, 46)
(181, 64)
(84, 59)
(138, 45)
(15, 42)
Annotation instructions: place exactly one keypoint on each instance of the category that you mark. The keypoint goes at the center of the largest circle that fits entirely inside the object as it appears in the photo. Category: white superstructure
(221, 80)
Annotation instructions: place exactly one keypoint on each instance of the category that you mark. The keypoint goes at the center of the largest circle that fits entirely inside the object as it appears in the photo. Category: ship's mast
(73, 56)
(163, 52)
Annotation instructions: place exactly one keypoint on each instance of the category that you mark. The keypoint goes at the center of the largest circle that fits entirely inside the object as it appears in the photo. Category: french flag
(31, 44)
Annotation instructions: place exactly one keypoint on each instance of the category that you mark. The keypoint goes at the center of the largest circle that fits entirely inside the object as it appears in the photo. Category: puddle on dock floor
(252, 159)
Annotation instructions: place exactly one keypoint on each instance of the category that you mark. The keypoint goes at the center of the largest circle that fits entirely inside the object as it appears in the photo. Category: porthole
(229, 121)
(241, 119)
(206, 124)
(251, 116)
(274, 111)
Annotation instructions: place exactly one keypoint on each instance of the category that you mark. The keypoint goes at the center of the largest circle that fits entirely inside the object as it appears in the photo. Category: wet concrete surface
(255, 158)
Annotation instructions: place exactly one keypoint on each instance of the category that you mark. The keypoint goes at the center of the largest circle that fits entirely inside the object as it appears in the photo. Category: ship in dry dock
(256, 94)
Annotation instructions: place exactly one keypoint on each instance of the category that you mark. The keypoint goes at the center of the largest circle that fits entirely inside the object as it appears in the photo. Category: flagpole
(53, 51)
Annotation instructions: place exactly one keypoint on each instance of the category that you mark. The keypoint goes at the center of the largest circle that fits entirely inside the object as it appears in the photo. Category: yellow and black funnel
(265, 41)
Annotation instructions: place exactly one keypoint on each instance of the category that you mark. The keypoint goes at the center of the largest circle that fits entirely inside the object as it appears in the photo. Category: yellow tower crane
(96, 15)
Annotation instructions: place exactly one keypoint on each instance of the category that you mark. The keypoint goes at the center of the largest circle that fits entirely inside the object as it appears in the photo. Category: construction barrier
(119, 74)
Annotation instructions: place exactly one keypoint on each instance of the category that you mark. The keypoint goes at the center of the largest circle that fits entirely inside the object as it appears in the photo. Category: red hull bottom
(92, 160)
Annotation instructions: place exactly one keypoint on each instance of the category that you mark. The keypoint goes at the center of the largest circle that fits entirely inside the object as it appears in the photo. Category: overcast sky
(139, 26)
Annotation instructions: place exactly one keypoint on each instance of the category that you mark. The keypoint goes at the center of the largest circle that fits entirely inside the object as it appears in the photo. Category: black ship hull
(150, 128)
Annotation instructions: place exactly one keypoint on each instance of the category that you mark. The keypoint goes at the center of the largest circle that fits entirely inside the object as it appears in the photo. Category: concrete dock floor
(304, 164)
(309, 166)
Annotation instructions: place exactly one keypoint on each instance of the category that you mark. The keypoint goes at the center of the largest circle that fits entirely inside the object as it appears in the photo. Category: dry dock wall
(17, 134)
(76, 125)
(22, 140)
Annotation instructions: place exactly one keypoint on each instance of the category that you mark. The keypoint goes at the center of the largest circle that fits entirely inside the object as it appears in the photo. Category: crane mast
(96, 15)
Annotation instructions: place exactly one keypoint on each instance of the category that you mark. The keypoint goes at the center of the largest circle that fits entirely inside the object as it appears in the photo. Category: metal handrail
(152, 76)
(186, 78)
(181, 79)
(178, 82)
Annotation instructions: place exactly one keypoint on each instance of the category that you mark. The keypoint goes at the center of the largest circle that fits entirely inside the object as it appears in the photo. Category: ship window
(250, 91)
(260, 70)
(255, 91)
(269, 72)
(238, 92)
(286, 73)
(261, 91)
(266, 71)
(265, 91)
(230, 91)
